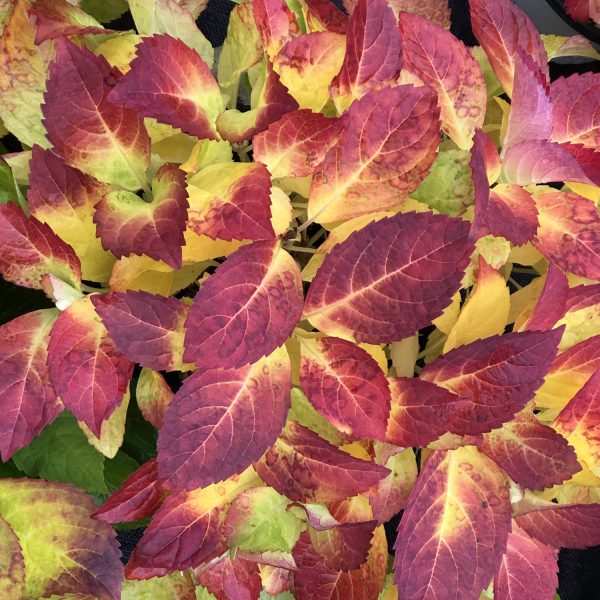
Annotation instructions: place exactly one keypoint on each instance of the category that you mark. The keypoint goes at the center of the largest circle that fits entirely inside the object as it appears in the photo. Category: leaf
(176, 586)
(220, 421)
(559, 46)
(404, 272)
(65, 199)
(527, 565)
(374, 167)
(496, 376)
(259, 521)
(305, 468)
(576, 109)
(295, 145)
(22, 78)
(569, 232)
(138, 497)
(503, 28)
(231, 201)
(182, 91)
(29, 401)
(322, 16)
(533, 455)
(421, 412)
(441, 61)
(276, 24)
(307, 65)
(187, 529)
(65, 550)
(153, 396)
(314, 580)
(563, 526)
(246, 309)
(104, 10)
(62, 453)
(12, 564)
(231, 578)
(459, 507)
(128, 225)
(89, 373)
(29, 249)
(437, 11)
(146, 328)
(373, 53)
(346, 386)
(167, 16)
(552, 302)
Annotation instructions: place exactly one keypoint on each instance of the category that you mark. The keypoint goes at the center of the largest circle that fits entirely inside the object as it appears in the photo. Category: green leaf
(9, 469)
(104, 10)
(140, 436)
(62, 453)
(118, 469)
(9, 189)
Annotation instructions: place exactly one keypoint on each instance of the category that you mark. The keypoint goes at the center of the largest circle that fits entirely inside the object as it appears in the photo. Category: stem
(93, 290)
(435, 346)
(519, 287)
(315, 237)
(301, 249)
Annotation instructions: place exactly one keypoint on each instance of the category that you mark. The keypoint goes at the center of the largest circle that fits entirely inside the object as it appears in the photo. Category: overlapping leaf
(275, 22)
(153, 396)
(230, 578)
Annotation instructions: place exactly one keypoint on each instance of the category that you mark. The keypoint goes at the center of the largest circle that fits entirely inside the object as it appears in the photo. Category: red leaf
(275, 22)
(182, 91)
(29, 401)
(90, 133)
(454, 528)
(386, 147)
(563, 526)
(502, 28)
(421, 412)
(327, 15)
(533, 455)
(296, 144)
(137, 498)
(576, 109)
(129, 225)
(305, 468)
(497, 376)
(346, 385)
(148, 329)
(220, 421)
(246, 309)
(552, 302)
(231, 578)
(569, 232)
(29, 249)
(89, 373)
(390, 278)
(527, 567)
(373, 52)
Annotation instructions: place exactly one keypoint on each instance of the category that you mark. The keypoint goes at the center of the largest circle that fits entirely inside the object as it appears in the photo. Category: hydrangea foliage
(349, 269)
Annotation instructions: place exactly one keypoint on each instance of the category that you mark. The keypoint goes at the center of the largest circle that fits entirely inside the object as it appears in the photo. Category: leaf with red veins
(295, 145)
(421, 412)
(390, 278)
(533, 455)
(551, 305)
(386, 147)
(569, 232)
(530, 116)
(583, 10)
(12, 567)
(29, 401)
(246, 309)
(29, 249)
(437, 11)
(127, 224)
(444, 63)
(102, 139)
(230, 578)
(453, 532)
(346, 385)
(503, 28)
(323, 15)
(543, 161)
(305, 468)
(221, 420)
(187, 529)
(563, 526)
(148, 329)
(153, 396)
(231, 201)
(497, 376)
(88, 372)
(137, 498)
(314, 580)
(54, 18)
(527, 566)
(276, 24)
(169, 82)
(576, 109)
(373, 53)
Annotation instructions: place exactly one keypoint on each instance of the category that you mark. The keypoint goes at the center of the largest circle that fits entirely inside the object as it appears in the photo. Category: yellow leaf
(119, 51)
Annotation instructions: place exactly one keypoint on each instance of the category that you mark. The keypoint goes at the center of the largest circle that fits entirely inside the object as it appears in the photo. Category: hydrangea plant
(348, 269)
